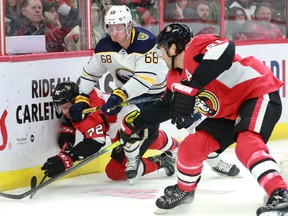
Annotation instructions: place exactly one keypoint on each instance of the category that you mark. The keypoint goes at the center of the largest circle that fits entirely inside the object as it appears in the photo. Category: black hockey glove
(128, 129)
(82, 102)
(183, 102)
(57, 164)
(117, 97)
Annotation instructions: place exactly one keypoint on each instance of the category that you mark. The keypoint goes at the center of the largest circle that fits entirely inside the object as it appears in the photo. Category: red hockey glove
(57, 164)
(183, 102)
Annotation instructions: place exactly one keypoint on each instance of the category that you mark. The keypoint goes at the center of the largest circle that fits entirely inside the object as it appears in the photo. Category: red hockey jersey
(222, 91)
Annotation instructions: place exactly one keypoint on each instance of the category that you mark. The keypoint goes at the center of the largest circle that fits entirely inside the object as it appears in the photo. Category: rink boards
(29, 122)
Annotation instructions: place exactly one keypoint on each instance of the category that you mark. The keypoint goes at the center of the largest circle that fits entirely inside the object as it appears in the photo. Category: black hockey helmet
(176, 33)
(64, 92)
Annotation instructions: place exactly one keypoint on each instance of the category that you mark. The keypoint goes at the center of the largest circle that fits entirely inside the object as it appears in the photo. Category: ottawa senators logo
(206, 103)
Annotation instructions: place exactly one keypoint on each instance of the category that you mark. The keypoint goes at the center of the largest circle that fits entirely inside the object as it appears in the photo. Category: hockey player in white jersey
(130, 54)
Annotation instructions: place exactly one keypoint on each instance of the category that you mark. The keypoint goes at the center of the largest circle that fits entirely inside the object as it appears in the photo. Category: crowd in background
(60, 22)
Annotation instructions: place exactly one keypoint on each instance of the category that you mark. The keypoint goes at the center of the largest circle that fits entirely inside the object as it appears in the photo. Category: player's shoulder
(207, 38)
(205, 41)
(142, 40)
(106, 45)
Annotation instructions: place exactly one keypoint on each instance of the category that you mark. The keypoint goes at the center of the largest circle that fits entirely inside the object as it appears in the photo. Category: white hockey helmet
(118, 14)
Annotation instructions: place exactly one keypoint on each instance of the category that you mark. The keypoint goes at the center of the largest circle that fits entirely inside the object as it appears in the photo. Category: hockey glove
(127, 127)
(183, 102)
(57, 164)
(117, 97)
(82, 102)
(191, 123)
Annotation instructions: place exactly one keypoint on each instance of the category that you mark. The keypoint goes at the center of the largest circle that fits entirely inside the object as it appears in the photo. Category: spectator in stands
(202, 24)
(31, 23)
(247, 5)
(68, 13)
(51, 19)
(73, 39)
(214, 8)
(177, 10)
(202, 10)
(106, 4)
(144, 13)
(97, 22)
(148, 15)
(261, 27)
(237, 24)
(278, 9)
(12, 13)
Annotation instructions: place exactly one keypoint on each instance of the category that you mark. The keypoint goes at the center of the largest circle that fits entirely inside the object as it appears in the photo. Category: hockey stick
(80, 164)
(34, 178)
(125, 103)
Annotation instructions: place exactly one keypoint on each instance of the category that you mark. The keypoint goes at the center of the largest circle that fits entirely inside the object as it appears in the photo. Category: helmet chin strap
(172, 57)
(172, 60)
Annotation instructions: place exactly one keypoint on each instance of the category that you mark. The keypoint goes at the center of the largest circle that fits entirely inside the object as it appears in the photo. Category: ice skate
(225, 169)
(132, 166)
(166, 161)
(277, 204)
(172, 198)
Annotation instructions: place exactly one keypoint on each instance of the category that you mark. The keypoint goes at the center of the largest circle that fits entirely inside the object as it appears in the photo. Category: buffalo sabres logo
(142, 36)
(206, 103)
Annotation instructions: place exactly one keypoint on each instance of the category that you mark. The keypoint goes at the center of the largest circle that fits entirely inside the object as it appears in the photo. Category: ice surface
(95, 194)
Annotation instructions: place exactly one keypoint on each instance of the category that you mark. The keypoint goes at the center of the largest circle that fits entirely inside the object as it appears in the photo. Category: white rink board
(31, 122)
(274, 56)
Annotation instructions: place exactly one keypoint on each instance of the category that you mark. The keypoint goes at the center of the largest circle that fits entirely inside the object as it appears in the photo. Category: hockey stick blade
(34, 178)
(66, 172)
(33, 185)
(129, 102)
(41, 182)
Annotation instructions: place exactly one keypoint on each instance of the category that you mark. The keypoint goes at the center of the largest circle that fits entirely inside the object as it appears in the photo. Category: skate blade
(184, 209)
(159, 211)
(133, 180)
(274, 213)
(227, 176)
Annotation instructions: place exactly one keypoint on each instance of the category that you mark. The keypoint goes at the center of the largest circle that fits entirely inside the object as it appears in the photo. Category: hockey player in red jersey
(240, 98)
(131, 56)
(97, 128)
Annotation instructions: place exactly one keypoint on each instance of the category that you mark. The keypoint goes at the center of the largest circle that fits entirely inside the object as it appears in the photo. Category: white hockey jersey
(138, 70)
